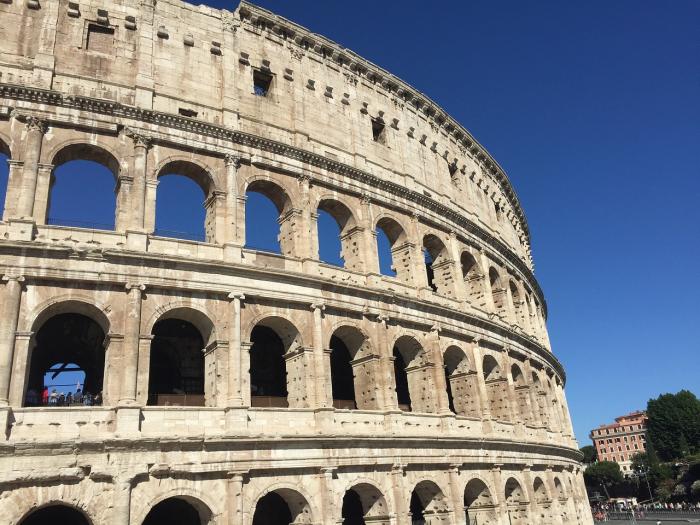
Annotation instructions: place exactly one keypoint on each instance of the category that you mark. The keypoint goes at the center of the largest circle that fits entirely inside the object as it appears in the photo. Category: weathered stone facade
(147, 89)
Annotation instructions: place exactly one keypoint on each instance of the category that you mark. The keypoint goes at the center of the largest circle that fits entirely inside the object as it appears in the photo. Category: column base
(233, 253)
(128, 421)
(237, 420)
(21, 229)
(136, 240)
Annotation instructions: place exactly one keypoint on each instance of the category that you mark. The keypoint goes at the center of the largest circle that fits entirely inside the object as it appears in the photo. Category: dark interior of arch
(86, 173)
(416, 509)
(176, 373)
(353, 513)
(428, 258)
(268, 375)
(262, 228)
(402, 394)
(342, 380)
(68, 339)
(56, 515)
(450, 397)
(180, 212)
(171, 511)
(272, 510)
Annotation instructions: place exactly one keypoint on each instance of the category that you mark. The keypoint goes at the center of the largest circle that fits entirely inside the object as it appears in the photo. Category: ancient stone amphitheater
(240, 386)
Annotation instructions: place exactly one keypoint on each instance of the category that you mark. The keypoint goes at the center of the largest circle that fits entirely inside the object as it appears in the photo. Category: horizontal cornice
(115, 109)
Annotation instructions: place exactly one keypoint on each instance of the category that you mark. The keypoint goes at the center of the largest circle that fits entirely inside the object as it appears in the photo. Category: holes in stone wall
(262, 82)
(378, 131)
(100, 39)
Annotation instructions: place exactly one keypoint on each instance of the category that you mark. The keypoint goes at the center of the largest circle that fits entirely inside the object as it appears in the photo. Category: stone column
(456, 493)
(322, 363)
(121, 512)
(533, 506)
(231, 237)
(370, 254)
(42, 195)
(235, 498)
(14, 181)
(132, 328)
(442, 403)
(498, 496)
(235, 370)
(516, 418)
(138, 189)
(11, 299)
(481, 381)
(488, 291)
(306, 246)
(24, 345)
(390, 401)
(564, 406)
(460, 291)
(327, 497)
(36, 129)
(534, 405)
(400, 497)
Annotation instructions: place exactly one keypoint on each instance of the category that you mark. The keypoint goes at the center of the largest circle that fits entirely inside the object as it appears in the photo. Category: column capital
(317, 306)
(139, 138)
(13, 277)
(32, 122)
(237, 475)
(233, 159)
(135, 286)
(236, 295)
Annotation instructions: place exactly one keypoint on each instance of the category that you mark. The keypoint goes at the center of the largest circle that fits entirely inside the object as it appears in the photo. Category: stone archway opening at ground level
(56, 515)
(282, 507)
(181, 510)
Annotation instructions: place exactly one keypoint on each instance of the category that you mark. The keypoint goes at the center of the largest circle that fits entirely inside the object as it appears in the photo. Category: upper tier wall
(199, 62)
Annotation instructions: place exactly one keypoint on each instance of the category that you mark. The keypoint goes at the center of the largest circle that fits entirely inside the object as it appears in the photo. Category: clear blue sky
(593, 109)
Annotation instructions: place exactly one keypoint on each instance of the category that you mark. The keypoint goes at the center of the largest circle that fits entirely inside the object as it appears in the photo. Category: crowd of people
(604, 511)
(62, 399)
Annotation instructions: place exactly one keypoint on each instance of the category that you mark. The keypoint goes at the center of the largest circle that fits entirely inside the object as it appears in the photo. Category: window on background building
(625, 438)
(627, 447)
(636, 447)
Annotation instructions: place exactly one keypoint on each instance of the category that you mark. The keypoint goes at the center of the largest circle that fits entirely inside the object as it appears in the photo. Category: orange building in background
(621, 440)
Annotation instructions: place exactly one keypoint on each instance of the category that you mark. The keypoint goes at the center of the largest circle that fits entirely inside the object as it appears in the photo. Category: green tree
(589, 454)
(603, 474)
(674, 424)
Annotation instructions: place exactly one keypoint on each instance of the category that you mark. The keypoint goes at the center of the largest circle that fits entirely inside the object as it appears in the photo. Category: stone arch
(559, 489)
(522, 393)
(516, 502)
(186, 310)
(354, 369)
(297, 503)
(496, 388)
(205, 505)
(5, 148)
(498, 292)
(398, 250)
(179, 354)
(518, 303)
(202, 176)
(462, 383)
(69, 303)
(350, 237)
(277, 363)
(429, 503)
(56, 512)
(7, 194)
(52, 195)
(370, 505)
(288, 219)
(438, 265)
(473, 279)
(479, 505)
(539, 490)
(413, 373)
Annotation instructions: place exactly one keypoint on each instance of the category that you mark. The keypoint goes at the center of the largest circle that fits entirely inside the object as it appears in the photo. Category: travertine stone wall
(149, 89)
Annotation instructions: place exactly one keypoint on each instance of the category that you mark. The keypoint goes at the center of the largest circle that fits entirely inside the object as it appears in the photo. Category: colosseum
(224, 384)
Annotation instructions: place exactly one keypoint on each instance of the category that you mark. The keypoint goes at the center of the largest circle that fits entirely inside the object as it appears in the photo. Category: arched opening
(393, 250)
(57, 514)
(68, 358)
(462, 383)
(544, 506)
(342, 379)
(274, 356)
(270, 224)
(522, 393)
(185, 202)
(428, 504)
(83, 169)
(339, 241)
(517, 304)
(562, 500)
(496, 388)
(282, 507)
(364, 503)
(497, 290)
(179, 210)
(176, 372)
(438, 266)
(473, 280)
(516, 502)
(541, 397)
(181, 510)
(4, 175)
(354, 369)
(478, 503)
(414, 382)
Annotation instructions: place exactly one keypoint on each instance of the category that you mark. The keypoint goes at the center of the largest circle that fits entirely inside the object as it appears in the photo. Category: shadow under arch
(282, 506)
(428, 503)
(462, 383)
(479, 506)
(353, 369)
(364, 502)
(180, 509)
(55, 513)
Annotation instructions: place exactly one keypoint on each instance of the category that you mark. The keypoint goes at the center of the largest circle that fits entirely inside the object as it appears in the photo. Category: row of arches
(186, 196)
(68, 353)
(361, 504)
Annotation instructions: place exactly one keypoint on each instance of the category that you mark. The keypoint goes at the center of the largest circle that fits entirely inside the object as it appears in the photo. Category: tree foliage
(674, 424)
(589, 454)
(605, 473)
